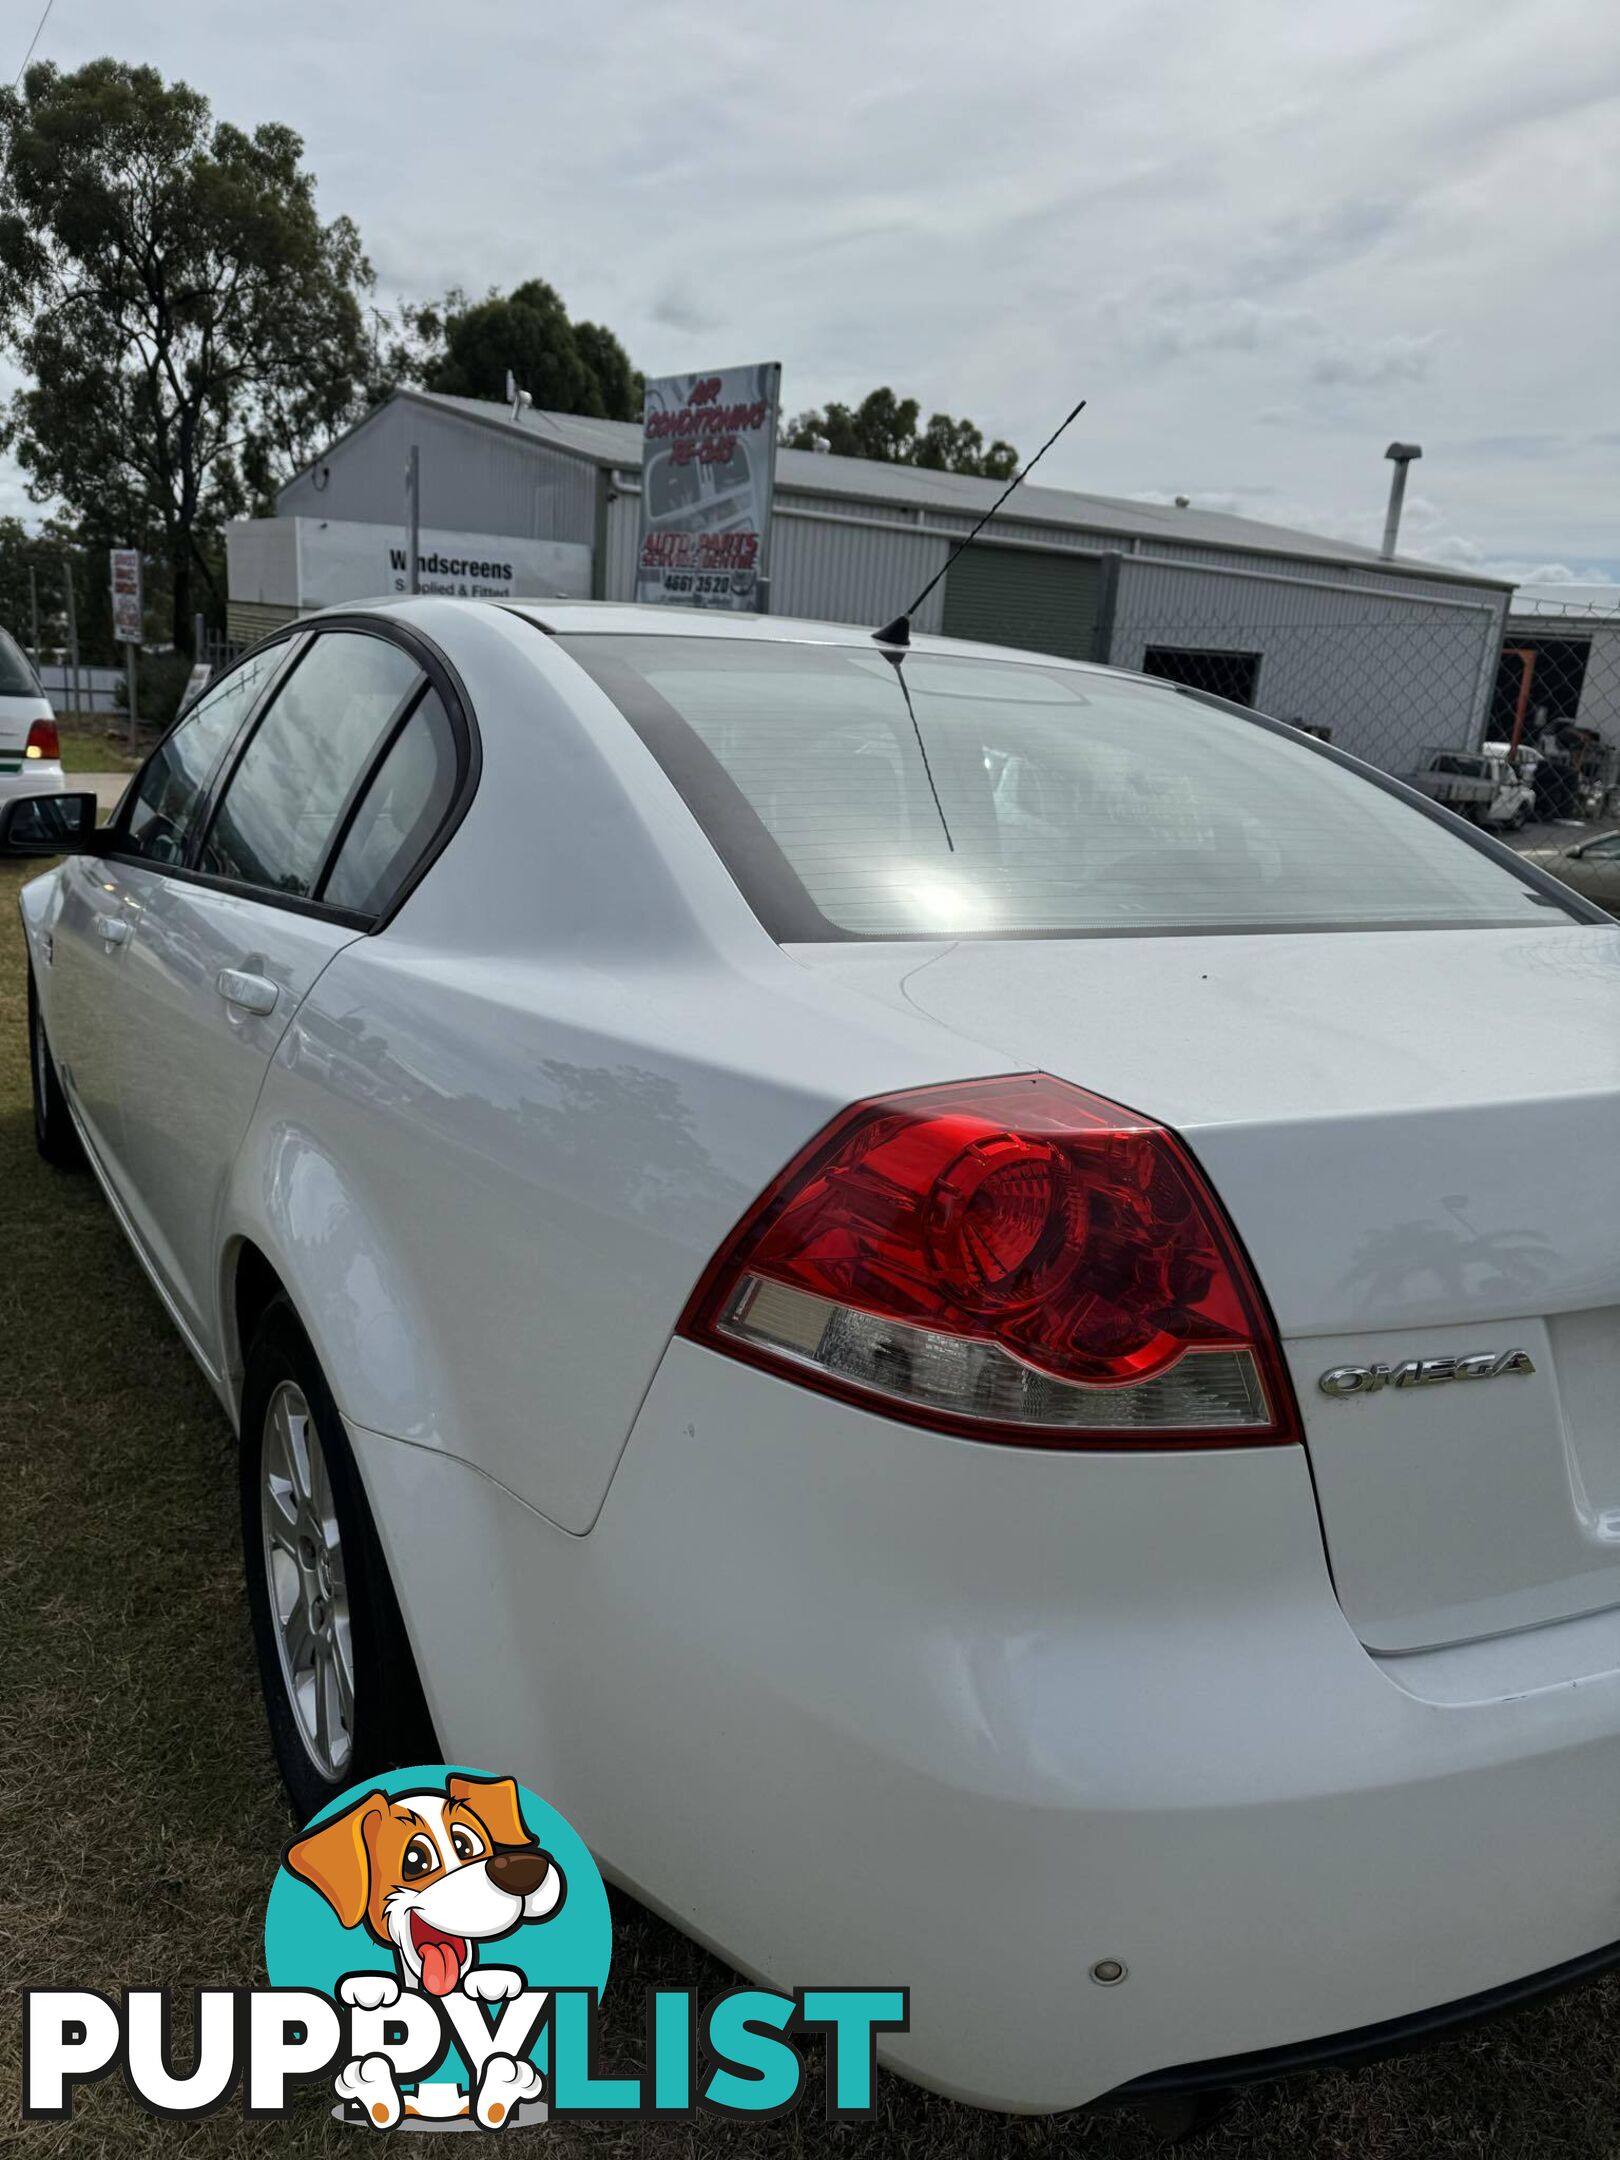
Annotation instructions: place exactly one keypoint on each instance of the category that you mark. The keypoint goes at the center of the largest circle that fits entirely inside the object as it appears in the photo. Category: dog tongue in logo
(442, 1955)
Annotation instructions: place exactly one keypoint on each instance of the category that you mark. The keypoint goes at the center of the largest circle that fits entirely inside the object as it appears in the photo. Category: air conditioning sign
(708, 464)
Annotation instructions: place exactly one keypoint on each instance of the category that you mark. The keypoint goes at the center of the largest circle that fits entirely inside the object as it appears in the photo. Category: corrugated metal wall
(856, 573)
(1014, 596)
(246, 621)
(474, 479)
(1366, 576)
(1386, 673)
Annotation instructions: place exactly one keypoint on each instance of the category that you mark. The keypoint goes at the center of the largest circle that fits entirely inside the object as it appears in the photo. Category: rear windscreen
(853, 797)
(17, 678)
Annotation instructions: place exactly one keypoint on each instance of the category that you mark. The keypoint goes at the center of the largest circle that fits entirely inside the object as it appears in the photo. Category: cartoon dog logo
(433, 1875)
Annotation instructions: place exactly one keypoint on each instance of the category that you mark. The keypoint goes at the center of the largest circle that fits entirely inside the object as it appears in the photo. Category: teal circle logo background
(307, 1946)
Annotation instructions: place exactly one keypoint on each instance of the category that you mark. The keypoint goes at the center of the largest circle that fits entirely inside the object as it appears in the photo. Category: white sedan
(969, 1304)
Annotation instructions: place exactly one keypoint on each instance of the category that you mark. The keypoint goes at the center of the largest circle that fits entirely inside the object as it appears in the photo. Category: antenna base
(897, 632)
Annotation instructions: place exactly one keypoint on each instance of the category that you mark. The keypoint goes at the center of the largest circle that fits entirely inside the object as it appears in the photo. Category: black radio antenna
(898, 632)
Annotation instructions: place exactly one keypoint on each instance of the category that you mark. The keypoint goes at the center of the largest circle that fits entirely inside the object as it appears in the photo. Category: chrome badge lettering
(1424, 1372)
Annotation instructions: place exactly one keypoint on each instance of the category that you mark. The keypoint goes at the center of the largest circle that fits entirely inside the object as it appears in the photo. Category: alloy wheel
(309, 1597)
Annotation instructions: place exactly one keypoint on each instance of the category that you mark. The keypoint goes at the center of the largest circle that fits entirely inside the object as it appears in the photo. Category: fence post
(72, 627)
(1102, 633)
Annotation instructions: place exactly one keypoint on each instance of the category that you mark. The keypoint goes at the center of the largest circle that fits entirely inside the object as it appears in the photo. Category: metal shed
(1561, 661)
(1382, 655)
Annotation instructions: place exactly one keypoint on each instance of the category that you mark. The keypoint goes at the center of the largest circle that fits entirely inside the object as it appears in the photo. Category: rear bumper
(30, 776)
(1373, 2043)
(861, 1705)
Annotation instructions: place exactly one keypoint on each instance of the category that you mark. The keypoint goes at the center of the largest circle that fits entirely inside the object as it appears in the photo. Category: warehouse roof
(617, 443)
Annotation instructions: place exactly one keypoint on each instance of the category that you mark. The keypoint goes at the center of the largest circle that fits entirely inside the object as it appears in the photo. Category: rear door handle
(112, 929)
(253, 993)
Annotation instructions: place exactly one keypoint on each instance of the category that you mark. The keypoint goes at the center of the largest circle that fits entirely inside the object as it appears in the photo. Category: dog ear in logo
(495, 1800)
(434, 1874)
(336, 1861)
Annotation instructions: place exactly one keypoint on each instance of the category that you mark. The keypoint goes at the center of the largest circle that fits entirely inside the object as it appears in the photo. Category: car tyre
(341, 1690)
(55, 1134)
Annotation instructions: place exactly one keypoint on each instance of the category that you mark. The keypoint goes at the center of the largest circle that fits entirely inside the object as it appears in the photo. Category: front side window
(944, 796)
(282, 803)
(173, 787)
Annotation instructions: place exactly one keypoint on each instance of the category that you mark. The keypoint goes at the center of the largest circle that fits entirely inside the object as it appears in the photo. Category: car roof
(616, 618)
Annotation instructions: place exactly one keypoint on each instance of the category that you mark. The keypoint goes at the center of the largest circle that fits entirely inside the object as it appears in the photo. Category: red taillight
(1012, 1258)
(43, 740)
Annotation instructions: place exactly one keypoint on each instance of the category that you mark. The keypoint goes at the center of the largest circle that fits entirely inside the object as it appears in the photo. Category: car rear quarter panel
(501, 1140)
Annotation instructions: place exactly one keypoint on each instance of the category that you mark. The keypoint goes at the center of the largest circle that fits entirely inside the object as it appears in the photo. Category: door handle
(253, 993)
(112, 929)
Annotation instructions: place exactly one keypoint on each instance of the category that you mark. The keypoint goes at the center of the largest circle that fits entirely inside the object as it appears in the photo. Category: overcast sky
(1262, 236)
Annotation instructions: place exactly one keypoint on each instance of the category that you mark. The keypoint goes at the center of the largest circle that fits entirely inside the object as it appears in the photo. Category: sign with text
(708, 463)
(345, 561)
(126, 595)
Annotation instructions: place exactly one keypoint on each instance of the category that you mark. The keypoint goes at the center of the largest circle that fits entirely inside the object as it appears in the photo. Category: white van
(30, 750)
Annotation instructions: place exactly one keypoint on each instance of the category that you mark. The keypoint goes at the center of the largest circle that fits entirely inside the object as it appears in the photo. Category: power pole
(413, 518)
(72, 627)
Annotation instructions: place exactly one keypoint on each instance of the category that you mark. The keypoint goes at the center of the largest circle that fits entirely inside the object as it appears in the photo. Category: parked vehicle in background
(1511, 807)
(1524, 760)
(1464, 780)
(1591, 867)
(30, 749)
(968, 1302)
(1477, 785)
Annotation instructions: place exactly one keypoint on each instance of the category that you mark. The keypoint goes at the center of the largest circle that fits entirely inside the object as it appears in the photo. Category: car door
(227, 946)
(92, 1024)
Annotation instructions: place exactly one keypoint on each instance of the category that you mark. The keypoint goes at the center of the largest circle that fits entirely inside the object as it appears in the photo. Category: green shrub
(160, 681)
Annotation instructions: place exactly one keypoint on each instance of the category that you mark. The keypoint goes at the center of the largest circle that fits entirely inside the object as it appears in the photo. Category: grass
(95, 743)
(140, 1816)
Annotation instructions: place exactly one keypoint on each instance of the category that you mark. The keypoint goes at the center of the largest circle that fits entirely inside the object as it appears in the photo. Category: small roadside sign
(126, 595)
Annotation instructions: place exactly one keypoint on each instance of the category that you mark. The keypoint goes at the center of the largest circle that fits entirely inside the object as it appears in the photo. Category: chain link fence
(1515, 725)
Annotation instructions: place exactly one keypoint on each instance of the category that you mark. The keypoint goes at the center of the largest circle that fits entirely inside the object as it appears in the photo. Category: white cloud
(1263, 239)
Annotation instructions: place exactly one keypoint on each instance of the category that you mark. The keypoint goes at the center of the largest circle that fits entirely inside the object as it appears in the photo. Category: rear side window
(949, 796)
(172, 789)
(399, 813)
(293, 783)
(17, 677)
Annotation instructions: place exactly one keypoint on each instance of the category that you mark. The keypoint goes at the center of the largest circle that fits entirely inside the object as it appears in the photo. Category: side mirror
(48, 825)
